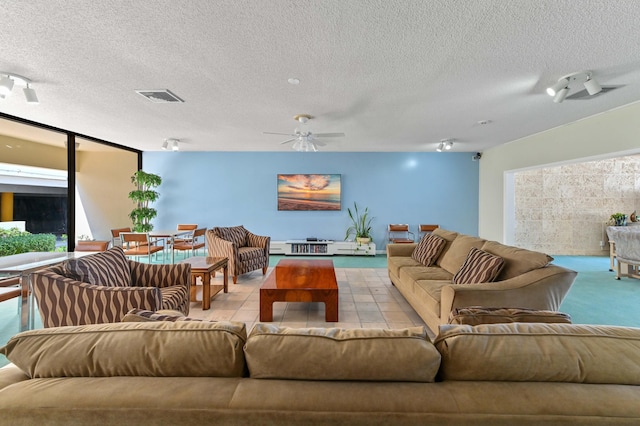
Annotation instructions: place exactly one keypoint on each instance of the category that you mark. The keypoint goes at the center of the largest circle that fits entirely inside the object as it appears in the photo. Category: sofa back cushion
(535, 352)
(478, 267)
(158, 349)
(428, 250)
(452, 260)
(235, 234)
(109, 268)
(517, 261)
(341, 354)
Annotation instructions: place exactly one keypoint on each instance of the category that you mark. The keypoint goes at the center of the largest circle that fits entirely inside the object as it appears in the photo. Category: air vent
(584, 95)
(160, 96)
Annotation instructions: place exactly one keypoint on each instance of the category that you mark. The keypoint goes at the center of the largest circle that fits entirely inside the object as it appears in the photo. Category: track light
(592, 86)
(560, 90)
(7, 82)
(445, 144)
(174, 145)
(561, 84)
(165, 144)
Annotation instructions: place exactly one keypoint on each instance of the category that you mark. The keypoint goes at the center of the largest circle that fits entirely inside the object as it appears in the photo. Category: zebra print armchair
(103, 287)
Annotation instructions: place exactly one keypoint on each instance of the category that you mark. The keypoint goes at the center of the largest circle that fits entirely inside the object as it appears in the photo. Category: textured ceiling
(393, 75)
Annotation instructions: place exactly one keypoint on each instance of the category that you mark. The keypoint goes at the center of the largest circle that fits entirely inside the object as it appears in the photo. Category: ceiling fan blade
(329, 135)
(272, 133)
(319, 143)
(287, 141)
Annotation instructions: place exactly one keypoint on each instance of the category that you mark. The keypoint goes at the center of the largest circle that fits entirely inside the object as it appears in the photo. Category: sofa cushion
(517, 261)
(478, 267)
(430, 293)
(429, 273)
(475, 315)
(341, 354)
(109, 268)
(535, 352)
(428, 250)
(235, 234)
(159, 348)
(453, 258)
(448, 236)
(396, 263)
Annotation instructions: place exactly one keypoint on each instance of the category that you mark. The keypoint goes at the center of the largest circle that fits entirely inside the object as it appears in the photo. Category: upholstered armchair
(103, 287)
(246, 251)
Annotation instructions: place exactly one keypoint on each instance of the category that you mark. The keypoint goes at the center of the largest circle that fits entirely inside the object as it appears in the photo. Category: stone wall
(563, 209)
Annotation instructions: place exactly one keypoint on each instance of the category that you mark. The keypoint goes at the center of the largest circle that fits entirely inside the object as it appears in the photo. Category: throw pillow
(428, 250)
(478, 267)
(109, 268)
(142, 315)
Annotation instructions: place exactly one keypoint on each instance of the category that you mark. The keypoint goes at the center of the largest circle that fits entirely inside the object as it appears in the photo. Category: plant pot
(621, 221)
(363, 240)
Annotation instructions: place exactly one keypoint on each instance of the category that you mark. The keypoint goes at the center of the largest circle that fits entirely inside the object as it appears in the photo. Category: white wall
(614, 133)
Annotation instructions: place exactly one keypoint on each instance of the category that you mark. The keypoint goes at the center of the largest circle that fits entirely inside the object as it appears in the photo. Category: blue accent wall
(239, 188)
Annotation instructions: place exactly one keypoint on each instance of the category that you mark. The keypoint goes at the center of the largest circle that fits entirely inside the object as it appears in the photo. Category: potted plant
(144, 194)
(360, 224)
(619, 219)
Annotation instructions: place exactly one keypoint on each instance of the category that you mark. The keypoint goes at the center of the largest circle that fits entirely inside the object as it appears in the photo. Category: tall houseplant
(360, 224)
(144, 194)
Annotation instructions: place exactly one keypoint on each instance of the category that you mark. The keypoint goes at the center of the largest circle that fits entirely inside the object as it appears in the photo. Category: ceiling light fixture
(165, 144)
(7, 82)
(174, 145)
(560, 90)
(445, 144)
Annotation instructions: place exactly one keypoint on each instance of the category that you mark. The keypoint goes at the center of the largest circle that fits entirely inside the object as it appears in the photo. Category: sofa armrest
(254, 240)
(542, 289)
(217, 247)
(64, 301)
(149, 275)
(404, 250)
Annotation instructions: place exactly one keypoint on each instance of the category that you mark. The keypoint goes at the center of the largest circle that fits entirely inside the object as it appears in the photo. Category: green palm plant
(144, 194)
(360, 223)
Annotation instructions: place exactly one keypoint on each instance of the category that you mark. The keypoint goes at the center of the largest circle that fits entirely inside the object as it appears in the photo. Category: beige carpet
(367, 300)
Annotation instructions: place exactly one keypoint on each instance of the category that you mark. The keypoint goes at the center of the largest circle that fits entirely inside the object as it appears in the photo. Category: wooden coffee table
(300, 280)
(205, 268)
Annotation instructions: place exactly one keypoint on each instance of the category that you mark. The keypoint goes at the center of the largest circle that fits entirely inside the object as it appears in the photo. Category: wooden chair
(138, 244)
(194, 242)
(85, 245)
(399, 233)
(425, 229)
(185, 227)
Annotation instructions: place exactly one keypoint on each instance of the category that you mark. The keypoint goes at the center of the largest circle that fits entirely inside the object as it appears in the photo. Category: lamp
(8, 80)
(560, 90)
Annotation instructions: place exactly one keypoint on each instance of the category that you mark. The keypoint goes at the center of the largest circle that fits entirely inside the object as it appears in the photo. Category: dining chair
(10, 288)
(424, 229)
(195, 241)
(137, 244)
(185, 227)
(399, 233)
(116, 241)
(89, 245)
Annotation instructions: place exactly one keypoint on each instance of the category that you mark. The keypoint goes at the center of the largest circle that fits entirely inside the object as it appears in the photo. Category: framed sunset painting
(309, 192)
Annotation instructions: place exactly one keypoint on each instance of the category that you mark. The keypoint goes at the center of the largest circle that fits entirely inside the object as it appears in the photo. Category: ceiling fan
(304, 139)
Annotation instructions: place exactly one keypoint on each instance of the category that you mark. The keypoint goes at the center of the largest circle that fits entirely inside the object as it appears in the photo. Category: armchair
(103, 287)
(246, 251)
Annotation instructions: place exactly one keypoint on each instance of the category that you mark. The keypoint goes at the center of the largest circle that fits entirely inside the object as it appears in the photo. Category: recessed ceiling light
(293, 80)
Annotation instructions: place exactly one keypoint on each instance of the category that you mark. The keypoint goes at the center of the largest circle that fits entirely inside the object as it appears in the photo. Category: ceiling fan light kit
(304, 140)
(560, 90)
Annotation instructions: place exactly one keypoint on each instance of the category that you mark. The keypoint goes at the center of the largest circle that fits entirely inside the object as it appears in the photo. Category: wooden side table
(205, 267)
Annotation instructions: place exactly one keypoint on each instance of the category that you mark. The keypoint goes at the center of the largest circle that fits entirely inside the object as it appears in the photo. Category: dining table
(22, 265)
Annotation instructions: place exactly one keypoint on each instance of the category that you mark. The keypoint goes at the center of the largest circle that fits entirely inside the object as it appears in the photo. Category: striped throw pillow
(428, 250)
(478, 267)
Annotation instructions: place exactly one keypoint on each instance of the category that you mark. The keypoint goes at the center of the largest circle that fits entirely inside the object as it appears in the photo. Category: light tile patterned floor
(367, 300)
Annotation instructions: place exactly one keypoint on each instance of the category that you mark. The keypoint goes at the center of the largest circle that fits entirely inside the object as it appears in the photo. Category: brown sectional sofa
(528, 280)
(194, 373)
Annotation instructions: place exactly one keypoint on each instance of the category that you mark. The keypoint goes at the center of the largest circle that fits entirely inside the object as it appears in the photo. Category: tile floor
(367, 300)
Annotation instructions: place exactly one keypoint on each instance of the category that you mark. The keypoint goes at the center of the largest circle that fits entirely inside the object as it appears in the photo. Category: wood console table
(205, 267)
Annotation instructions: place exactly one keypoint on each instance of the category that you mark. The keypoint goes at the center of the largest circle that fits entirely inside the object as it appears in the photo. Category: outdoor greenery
(360, 223)
(144, 194)
(14, 241)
